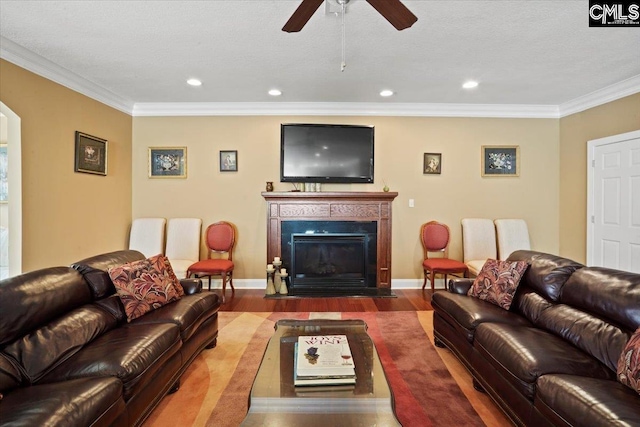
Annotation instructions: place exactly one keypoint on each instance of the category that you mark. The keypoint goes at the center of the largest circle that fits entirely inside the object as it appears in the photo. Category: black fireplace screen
(330, 254)
(318, 258)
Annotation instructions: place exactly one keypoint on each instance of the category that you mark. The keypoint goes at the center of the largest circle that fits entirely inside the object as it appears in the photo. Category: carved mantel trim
(333, 206)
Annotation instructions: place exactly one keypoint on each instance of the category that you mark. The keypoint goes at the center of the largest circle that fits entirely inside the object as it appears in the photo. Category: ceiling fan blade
(394, 12)
(302, 14)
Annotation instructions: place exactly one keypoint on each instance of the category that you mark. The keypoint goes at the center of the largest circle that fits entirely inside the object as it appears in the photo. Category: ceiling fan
(392, 10)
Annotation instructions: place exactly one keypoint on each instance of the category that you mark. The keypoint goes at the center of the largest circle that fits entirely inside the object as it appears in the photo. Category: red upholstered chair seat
(443, 265)
(212, 266)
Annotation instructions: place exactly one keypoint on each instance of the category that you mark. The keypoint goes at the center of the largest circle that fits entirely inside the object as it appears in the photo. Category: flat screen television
(326, 153)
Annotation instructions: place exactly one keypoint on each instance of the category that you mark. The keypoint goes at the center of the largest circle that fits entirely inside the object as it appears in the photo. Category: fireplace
(329, 255)
(357, 225)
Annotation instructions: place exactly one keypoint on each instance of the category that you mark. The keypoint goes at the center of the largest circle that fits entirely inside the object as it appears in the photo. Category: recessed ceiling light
(386, 92)
(470, 84)
(194, 82)
(275, 92)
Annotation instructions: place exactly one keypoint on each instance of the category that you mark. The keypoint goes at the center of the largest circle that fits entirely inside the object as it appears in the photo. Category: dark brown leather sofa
(68, 357)
(551, 359)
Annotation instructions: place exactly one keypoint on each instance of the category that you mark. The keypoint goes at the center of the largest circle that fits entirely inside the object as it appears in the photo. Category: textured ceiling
(521, 52)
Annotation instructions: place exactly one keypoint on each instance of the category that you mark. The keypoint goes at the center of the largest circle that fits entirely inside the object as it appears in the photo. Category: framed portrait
(4, 177)
(500, 160)
(167, 162)
(432, 164)
(228, 161)
(91, 154)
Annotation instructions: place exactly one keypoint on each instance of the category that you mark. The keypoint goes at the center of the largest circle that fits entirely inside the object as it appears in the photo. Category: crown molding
(343, 109)
(601, 96)
(37, 64)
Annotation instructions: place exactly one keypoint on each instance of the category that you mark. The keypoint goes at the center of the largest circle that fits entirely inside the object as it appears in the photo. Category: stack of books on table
(323, 360)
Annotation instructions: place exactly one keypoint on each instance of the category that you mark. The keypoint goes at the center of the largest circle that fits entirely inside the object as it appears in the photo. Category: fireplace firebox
(331, 255)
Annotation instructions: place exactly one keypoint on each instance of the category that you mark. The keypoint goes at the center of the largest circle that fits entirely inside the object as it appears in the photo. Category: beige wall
(67, 215)
(609, 119)
(458, 192)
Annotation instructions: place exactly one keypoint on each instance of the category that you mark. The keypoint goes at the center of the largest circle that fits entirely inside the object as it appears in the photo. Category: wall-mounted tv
(326, 153)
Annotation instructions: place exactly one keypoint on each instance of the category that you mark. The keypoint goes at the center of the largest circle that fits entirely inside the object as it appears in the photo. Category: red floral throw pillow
(629, 363)
(145, 285)
(498, 281)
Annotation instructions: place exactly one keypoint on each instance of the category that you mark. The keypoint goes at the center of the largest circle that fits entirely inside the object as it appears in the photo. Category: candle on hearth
(283, 271)
(276, 259)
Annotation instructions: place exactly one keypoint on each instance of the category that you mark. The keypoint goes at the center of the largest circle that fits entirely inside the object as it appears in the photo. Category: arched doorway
(10, 193)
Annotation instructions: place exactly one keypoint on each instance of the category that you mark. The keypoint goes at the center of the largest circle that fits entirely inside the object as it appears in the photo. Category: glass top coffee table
(275, 401)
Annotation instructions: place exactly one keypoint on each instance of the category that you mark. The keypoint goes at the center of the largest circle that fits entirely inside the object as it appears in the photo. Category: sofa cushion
(79, 402)
(522, 354)
(145, 285)
(629, 363)
(465, 313)
(583, 401)
(94, 269)
(45, 348)
(10, 375)
(594, 335)
(33, 299)
(610, 294)
(498, 281)
(547, 273)
(133, 353)
(188, 313)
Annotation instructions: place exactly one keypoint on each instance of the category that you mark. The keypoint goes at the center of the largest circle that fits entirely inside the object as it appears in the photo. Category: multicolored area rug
(429, 387)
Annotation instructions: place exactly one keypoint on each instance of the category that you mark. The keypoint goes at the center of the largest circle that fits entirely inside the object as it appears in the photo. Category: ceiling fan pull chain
(344, 62)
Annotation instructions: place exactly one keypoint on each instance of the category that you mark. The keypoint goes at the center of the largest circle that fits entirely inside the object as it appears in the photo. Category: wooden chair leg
(433, 279)
(424, 283)
(224, 285)
(233, 290)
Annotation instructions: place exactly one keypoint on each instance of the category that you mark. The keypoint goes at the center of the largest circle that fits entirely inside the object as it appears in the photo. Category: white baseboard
(262, 284)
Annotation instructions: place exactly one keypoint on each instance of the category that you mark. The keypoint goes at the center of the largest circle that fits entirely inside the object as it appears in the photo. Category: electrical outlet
(411, 203)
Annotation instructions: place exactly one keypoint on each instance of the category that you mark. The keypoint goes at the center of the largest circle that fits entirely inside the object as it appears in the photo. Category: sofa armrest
(460, 286)
(191, 286)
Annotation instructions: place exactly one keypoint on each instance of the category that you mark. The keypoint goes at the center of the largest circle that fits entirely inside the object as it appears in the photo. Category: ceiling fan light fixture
(275, 92)
(386, 93)
(470, 84)
(194, 82)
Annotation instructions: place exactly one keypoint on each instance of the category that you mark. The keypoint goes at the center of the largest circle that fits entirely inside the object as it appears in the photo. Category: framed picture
(432, 164)
(4, 177)
(91, 154)
(228, 161)
(500, 160)
(167, 162)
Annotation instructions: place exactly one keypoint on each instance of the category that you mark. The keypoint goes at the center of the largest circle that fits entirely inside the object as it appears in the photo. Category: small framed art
(432, 164)
(91, 154)
(500, 160)
(167, 162)
(228, 161)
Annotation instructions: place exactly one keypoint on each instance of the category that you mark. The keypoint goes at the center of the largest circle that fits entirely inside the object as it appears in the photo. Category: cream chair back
(183, 243)
(147, 236)
(512, 235)
(478, 242)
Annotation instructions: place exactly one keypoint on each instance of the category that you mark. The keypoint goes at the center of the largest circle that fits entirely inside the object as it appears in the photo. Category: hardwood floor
(253, 300)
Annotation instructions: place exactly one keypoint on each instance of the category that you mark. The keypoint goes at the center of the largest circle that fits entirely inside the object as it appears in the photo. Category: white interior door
(613, 236)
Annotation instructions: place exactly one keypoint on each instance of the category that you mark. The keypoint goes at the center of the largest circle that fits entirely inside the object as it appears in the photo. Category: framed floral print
(500, 160)
(167, 162)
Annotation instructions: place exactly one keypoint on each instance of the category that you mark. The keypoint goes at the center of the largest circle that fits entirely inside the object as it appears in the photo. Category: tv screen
(326, 153)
